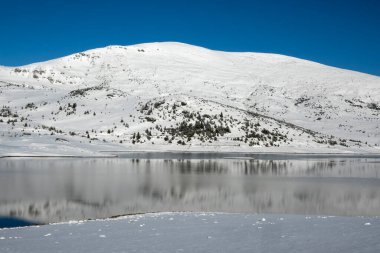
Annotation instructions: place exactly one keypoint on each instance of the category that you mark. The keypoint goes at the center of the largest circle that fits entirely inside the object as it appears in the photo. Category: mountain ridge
(182, 44)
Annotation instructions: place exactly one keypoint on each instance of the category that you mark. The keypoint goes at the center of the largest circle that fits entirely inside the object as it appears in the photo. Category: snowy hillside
(175, 96)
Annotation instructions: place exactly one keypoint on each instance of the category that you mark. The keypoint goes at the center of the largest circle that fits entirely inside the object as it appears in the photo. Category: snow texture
(200, 232)
(100, 99)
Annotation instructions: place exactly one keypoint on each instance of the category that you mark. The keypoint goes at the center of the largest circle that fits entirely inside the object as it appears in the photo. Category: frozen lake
(45, 190)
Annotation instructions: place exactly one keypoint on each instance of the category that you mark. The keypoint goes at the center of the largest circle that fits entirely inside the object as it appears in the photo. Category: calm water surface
(58, 189)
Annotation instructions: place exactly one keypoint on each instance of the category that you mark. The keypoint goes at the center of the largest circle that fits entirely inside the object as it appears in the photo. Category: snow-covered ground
(173, 96)
(200, 232)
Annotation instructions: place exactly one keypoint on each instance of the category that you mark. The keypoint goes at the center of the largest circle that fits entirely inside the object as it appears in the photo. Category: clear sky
(342, 33)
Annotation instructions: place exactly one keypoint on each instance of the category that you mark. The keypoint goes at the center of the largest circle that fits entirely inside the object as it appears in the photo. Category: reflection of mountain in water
(58, 189)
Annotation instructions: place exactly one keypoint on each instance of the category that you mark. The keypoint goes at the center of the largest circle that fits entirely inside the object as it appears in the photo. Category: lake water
(46, 190)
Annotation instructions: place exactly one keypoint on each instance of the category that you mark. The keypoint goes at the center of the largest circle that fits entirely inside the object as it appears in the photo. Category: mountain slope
(179, 96)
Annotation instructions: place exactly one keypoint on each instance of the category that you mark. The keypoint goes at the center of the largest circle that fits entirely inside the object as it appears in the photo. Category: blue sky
(343, 33)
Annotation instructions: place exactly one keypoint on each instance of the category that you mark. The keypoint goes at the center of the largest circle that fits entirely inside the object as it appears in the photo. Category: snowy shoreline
(200, 232)
(55, 156)
(116, 153)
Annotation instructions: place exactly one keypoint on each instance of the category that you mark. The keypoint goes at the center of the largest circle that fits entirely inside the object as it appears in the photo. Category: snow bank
(200, 232)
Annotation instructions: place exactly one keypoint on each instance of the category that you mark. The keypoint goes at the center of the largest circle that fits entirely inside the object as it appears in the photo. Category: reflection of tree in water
(246, 167)
(265, 167)
(321, 167)
(106, 187)
(326, 167)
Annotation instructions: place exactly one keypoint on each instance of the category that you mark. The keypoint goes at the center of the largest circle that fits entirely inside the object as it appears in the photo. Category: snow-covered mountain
(178, 96)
